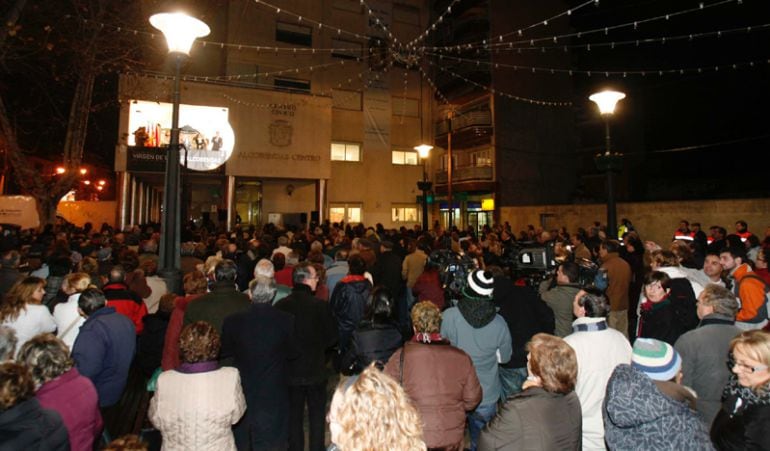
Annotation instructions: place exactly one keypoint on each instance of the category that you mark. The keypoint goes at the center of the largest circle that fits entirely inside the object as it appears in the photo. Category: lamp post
(425, 185)
(609, 162)
(180, 31)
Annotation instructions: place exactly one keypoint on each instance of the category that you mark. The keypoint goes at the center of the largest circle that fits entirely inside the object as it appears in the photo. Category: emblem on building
(280, 133)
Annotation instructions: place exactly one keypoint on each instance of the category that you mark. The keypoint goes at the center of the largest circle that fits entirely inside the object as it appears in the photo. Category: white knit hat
(480, 285)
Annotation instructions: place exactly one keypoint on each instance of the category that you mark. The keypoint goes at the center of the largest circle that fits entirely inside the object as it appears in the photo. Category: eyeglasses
(743, 366)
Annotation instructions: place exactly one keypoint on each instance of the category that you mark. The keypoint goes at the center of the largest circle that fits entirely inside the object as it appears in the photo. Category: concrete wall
(654, 221)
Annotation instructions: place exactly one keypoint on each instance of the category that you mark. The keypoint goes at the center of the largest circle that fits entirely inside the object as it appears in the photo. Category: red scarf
(352, 278)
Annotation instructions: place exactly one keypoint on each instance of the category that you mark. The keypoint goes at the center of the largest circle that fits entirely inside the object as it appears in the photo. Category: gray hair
(262, 290)
(264, 268)
(596, 305)
(46, 356)
(722, 300)
(7, 343)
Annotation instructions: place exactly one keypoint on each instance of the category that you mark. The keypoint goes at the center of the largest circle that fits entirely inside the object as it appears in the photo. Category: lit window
(346, 152)
(406, 157)
(405, 214)
(482, 158)
(349, 213)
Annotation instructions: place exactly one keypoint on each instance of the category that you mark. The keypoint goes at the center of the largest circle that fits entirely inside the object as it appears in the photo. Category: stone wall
(654, 221)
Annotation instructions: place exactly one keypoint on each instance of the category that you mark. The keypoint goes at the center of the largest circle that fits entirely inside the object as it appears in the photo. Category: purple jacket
(74, 397)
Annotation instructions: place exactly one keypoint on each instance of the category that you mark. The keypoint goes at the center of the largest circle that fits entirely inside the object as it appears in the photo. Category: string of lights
(607, 73)
(500, 40)
(378, 22)
(642, 41)
(433, 26)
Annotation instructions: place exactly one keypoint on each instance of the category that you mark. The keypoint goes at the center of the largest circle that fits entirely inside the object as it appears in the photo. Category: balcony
(466, 174)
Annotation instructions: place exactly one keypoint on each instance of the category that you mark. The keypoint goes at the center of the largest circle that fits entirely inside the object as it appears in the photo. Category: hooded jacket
(348, 303)
(475, 327)
(638, 416)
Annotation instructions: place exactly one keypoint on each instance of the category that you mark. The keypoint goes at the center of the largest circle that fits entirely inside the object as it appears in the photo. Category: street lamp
(180, 31)
(423, 150)
(609, 162)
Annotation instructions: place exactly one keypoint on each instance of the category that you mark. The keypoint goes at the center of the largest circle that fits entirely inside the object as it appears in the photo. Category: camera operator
(559, 292)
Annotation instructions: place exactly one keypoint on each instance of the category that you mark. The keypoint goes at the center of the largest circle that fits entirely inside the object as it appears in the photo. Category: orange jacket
(751, 293)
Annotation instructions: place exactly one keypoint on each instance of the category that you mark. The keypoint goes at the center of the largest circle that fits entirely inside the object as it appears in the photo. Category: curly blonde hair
(372, 412)
(426, 317)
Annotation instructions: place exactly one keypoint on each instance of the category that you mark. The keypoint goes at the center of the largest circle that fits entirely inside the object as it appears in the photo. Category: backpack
(764, 311)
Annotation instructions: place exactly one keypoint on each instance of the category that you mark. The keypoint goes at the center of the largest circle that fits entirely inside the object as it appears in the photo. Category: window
(350, 213)
(293, 34)
(346, 152)
(292, 84)
(405, 157)
(404, 106)
(346, 49)
(444, 159)
(347, 100)
(481, 158)
(405, 214)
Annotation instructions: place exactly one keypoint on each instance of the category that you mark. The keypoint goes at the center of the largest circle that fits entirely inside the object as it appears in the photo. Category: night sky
(691, 135)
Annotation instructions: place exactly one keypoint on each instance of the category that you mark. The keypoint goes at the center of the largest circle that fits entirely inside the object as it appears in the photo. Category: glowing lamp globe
(606, 100)
(180, 30)
(423, 150)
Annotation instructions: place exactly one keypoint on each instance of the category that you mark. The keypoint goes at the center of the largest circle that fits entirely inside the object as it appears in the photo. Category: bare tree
(56, 51)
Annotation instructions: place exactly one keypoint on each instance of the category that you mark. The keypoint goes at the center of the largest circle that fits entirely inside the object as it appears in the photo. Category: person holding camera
(558, 292)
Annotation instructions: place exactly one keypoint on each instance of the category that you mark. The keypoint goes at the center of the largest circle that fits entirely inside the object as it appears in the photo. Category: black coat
(315, 331)
(525, 314)
(150, 347)
(348, 302)
(27, 426)
(747, 429)
(371, 342)
(260, 341)
(387, 272)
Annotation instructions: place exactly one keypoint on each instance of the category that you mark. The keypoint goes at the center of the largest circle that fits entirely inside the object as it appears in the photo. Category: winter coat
(371, 342)
(474, 327)
(68, 320)
(638, 416)
(387, 272)
(103, 352)
(33, 319)
(127, 303)
(150, 347)
(348, 303)
(428, 288)
(223, 301)
(196, 411)
(619, 275)
(27, 426)
(74, 398)
(315, 331)
(524, 313)
(527, 422)
(412, 266)
(659, 321)
(598, 352)
(704, 352)
(170, 358)
(260, 341)
(743, 425)
(560, 299)
(442, 383)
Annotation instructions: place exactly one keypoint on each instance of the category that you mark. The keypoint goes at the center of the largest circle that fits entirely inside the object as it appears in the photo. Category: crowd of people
(615, 343)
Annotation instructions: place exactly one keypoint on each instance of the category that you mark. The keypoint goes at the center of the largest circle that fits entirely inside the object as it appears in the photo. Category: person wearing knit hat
(646, 407)
(475, 327)
(657, 359)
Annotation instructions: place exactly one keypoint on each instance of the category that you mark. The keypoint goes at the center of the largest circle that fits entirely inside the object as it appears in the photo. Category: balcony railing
(465, 174)
(478, 118)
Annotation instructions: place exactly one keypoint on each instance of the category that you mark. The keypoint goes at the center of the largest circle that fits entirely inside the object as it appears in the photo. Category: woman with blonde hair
(526, 419)
(744, 420)
(439, 378)
(372, 412)
(22, 309)
(66, 315)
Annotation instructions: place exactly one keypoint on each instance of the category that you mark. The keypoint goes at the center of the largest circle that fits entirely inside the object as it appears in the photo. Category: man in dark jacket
(9, 271)
(123, 300)
(105, 346)
(387, 269)
(260, 341)
(315, 331)
(223, 300)
(348, 301)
